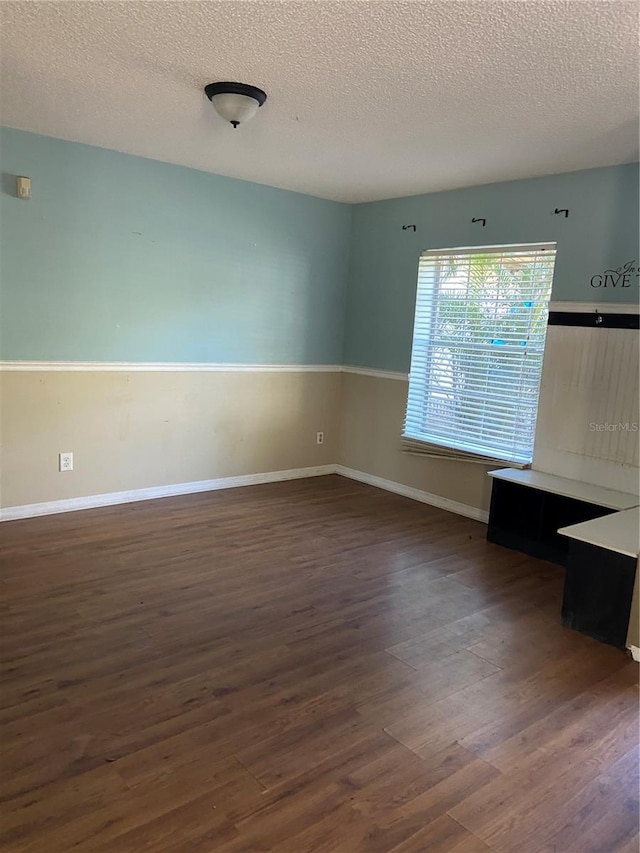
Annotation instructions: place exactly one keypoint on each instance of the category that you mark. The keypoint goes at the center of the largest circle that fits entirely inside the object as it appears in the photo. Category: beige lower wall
(134, 430)
(371, 420)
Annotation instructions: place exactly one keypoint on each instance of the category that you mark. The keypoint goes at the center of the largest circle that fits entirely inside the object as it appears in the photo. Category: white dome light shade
(235, 108)
(235, 102)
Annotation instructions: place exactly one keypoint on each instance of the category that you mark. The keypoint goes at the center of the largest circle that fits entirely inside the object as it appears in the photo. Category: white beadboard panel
(588, 414)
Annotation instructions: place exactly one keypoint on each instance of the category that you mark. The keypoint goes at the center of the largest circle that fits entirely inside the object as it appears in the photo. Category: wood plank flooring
(306, 666)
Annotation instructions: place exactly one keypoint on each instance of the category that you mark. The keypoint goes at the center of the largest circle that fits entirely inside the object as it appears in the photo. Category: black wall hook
(562, 210)
(405, 227)
(484, 221)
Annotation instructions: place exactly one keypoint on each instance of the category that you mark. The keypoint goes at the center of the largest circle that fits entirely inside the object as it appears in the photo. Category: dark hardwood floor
(306, 666)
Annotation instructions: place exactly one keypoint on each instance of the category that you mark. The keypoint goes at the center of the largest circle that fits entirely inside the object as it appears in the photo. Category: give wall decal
(622, 276)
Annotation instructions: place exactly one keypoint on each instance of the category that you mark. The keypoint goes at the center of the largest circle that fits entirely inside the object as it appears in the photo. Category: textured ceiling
(367, 99)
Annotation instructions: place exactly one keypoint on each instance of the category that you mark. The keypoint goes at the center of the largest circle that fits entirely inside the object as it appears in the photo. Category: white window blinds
(478, 343)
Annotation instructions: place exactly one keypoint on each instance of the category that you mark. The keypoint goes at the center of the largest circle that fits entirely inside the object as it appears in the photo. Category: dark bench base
(599, 583)
(598, 591)
(527, 519)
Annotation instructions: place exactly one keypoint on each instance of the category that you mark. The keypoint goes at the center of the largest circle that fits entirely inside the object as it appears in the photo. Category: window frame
(478, 402)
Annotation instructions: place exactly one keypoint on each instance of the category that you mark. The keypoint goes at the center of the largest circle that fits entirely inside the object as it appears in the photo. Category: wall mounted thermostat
(23, 187)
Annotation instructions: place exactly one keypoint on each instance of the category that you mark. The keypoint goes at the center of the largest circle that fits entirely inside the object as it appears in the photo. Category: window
(478, 343)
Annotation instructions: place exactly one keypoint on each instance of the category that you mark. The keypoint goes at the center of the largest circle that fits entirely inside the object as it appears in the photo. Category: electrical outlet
(65, 462)
(319, 438)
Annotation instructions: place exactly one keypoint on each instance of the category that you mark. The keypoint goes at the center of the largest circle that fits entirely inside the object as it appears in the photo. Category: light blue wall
(121, 258)
(600, 232)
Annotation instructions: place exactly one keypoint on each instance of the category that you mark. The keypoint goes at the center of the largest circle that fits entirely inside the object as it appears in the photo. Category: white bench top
(619, 532)
(568, 488)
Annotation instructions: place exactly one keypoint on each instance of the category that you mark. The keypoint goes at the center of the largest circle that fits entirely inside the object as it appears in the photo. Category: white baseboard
(414, 494)
(635, 652)
(12, 513)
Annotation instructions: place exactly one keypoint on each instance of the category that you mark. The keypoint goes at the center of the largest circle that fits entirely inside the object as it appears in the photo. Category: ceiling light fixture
(235, 102)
